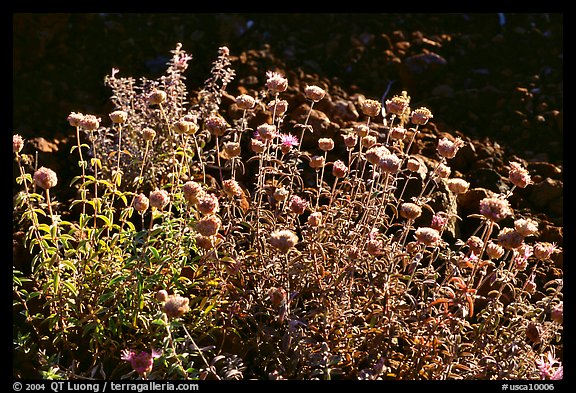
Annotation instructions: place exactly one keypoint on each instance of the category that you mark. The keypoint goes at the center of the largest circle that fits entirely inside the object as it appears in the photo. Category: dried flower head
(283, 240)
(276, 82)
(176, 306)
(315, 219)
(518, 175)
(398, 104)
(191, 190)
(279, 107)
(447, 148)
(159, 199)
(510, 239)
(267, 131)
(75, 119)
(162, 295)
(118, 117)
(526, 227)
(458, 186)
(257, 146)
(207, 203)
(90, 122)
(475, 244)
(245, 101)
(557, 313)
(298, 205)
(397, 133)
(427, 236)
(495, 209)
(208, 225)
(317, 162)
(142, 362)
(204, 242)
(216, 125)
(141, 203)
(326, 144)
(184, 126)
(494, 250)
(280, 194)
(230, 150)
(413, 164)
(148, 134)
(156, 97)
(339, 169)
(350, 140)
(421, 116)
(410, 211)
(390, 163)
(17, 143)
(45, 178)
(361, 130)
(375, 153)
(232, 188)
(544, 250)
(370, 107)
(314, 93)
(368, 141)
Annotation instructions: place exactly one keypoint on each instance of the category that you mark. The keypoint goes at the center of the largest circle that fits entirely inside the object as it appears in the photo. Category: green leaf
(71, 287)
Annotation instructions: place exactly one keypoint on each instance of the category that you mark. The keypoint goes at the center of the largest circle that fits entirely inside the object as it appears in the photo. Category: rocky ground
(496, 80)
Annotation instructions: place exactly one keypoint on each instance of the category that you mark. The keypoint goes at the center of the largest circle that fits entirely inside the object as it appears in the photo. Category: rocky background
(496, 80)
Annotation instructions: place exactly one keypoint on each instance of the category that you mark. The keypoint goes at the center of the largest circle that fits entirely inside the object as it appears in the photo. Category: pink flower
(141, 362)
(288, 140)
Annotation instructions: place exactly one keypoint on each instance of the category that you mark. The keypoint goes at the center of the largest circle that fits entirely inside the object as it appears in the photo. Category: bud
(533, 332)
(557, 313)
(368, 141)
(208, 225)
(75, 119)
(162, 295)
(257, 146)
(267, 131)
(207, 204)
(278, 106)
(458, 186)
(183, 126)
(216, 125)
(397, 104)
(245, 102)
(447, 148)
(510, 239)
(317, 162)
(427, 236)
(371, 108)
(397, 133)
(421, 116)
(90, 122)
(298, 205)
(518, 175)
(361, 130)
(350, 140)
(544, 250)
(526, 227)
(148, 134)
(315, 219)
(475, 244)
(231, 150)
(495, 209)
(276, 83)
(410, 211)
(325, 144)
(390, 163)
(494, 250)
(413, 164)
(191, 190)
(280, 194)
(231, 187)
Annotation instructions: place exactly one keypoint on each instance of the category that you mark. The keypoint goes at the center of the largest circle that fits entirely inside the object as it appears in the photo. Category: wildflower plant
(177, 267)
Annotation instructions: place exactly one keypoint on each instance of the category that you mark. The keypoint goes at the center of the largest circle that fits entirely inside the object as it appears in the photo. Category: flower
(157, 97)
(141, 203)
(148, 134)
(339, 169)
(162, 295)
(439, 221)
(397, 104)
(510, 239)
(280, 194)
(89, 122)
(458, 186)
(350, 140)
(518, 175)
(413, 164)
(118, 116)
(447, 148)
(184, 126)
(257, 146)
(557, 313)
(266, 131)
(141, 362)
(75, 119)
(159, 199)
(390, 163)
(288, 140)
(245, 102)
(495, 209)
(176, 306)
(297, 204)
(410, 211)
(45, 178)
(326, 144)
(207, 204)
(475, 244)
(526, 227)
(361, 130)
(421, 116)
(368, 141)
(545, 367)
(231, 187)
(216, 124)
(17, 143)
(544, 250)
(314, 93)
(315, 219)
(375, 153)
(230, 150)
(208, 225)
(276, 82)
(191, 190)
(370, 107)
(278, 106)
(494, 250)
(397, 133)
(283, 240)
(427, 236)
(317, 162)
